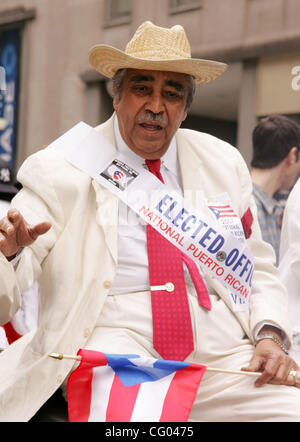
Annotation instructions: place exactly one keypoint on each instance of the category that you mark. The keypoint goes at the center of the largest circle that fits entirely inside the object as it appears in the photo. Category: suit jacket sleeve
(269, 300)
(289, 263)
(37, 202)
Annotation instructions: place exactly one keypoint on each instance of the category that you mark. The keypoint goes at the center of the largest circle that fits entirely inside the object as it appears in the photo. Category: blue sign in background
(9, 60)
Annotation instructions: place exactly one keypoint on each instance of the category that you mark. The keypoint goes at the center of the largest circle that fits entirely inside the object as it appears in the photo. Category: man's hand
(15, 232)
(274, 364)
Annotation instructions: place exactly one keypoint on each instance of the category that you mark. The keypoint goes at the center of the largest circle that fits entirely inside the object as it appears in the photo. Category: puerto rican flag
(131, 388)
(223, 211)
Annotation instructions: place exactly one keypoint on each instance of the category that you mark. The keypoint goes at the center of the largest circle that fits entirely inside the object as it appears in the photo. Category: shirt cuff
(283, 335)
(16, 259)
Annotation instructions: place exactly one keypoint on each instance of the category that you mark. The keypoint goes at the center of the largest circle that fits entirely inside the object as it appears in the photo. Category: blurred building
(49, 85)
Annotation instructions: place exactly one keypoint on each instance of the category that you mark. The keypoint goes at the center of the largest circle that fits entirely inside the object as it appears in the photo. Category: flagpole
(223, 370)
(61, 356)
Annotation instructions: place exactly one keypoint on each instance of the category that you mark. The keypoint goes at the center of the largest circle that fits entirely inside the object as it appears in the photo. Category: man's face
(151, 109)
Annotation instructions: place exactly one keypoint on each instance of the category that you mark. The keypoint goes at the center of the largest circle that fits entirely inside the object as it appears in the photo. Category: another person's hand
(15, 232)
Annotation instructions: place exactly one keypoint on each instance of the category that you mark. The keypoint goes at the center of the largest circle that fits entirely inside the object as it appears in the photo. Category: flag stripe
(79, 398)
(150, 400)
(100, 392)
(226, 212)
(219, 207)
(184, 386)
(121, 401)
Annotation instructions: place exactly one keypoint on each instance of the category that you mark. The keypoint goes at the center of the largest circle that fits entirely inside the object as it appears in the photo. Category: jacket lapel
(106, 202)
(192, 173)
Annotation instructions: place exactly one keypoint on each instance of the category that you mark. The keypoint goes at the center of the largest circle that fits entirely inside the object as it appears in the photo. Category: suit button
(86, 332)
(107, 284)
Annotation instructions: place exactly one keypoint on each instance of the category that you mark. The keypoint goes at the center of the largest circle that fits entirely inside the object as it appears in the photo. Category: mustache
(150, 116)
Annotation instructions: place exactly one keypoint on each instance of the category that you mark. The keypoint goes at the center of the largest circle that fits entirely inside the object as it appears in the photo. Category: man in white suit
(92, 266)
(289, 264)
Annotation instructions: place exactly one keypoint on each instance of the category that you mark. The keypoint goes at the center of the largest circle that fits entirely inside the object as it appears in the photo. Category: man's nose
(155, 103)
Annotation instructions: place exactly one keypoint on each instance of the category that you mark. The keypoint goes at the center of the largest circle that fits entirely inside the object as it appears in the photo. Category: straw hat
(155, 48)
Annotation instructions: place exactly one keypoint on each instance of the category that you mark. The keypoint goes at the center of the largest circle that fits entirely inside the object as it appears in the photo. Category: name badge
(222, 210)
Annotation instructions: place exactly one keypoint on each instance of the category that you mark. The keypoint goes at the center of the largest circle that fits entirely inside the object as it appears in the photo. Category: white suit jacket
(289, 264)
(76, 260)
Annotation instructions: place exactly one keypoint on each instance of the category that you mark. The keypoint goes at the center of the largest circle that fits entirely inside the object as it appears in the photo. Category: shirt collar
(169, 159)
(270, 204)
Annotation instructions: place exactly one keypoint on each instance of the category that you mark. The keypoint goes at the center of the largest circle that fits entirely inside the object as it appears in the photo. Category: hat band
(158, 55)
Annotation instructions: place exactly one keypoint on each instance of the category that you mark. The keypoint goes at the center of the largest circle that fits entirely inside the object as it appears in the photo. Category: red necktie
(172, 326)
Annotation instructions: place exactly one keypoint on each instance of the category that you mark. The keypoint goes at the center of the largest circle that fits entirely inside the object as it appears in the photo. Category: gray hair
(117, 84)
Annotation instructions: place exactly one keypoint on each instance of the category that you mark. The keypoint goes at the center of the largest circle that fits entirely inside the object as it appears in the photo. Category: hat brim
(108, 60)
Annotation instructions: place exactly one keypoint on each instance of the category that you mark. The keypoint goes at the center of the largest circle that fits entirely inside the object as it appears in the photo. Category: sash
(218, 250)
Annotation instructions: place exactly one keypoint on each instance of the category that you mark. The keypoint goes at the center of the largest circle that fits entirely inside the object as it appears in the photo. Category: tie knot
(153, 166)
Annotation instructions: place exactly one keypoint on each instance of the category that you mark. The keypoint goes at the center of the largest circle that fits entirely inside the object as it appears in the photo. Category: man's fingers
(14, 216)
(6, 227)
(294, 376)
(282, 375)
(2, 238)
(10, 223)
(39, 229)
(270, 370)
(255, 365)
(15, 232)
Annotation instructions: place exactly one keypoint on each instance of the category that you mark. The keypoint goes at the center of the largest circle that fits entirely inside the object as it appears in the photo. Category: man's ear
(293, 156)
(115, 103)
